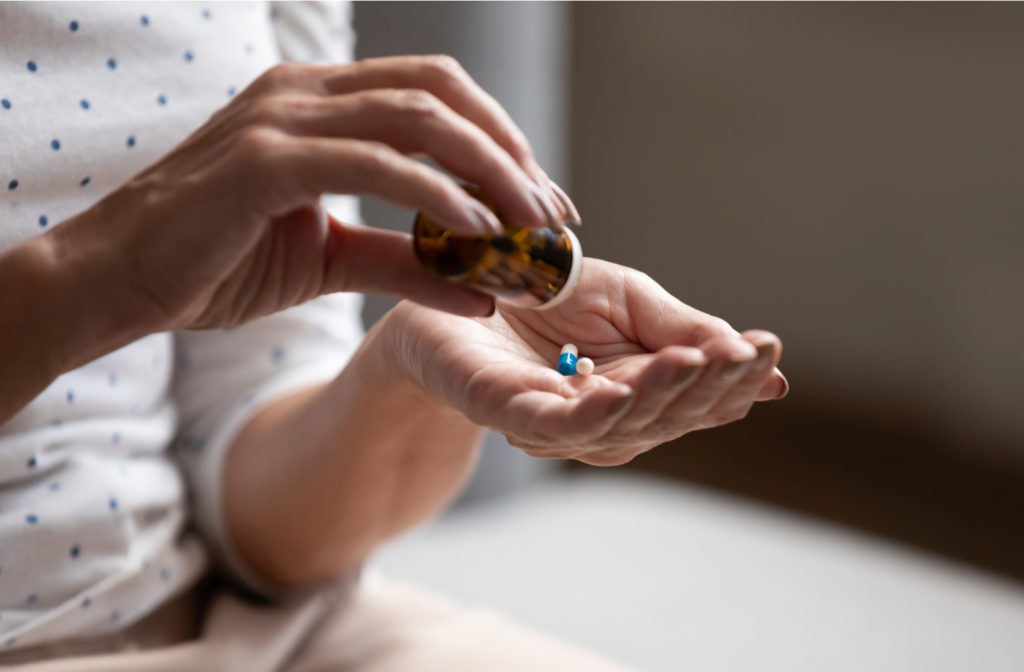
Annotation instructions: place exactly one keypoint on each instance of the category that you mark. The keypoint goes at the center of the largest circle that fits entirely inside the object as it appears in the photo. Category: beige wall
(846, 175)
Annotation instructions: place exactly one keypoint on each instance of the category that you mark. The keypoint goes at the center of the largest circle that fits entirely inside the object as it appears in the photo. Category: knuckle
(444, 69)
(374, 160)
(608, 458)
(268, 111)
(519, 147)
(718, 324)
(258, 144)
(720, 418)
(280, 75)
(417, 103)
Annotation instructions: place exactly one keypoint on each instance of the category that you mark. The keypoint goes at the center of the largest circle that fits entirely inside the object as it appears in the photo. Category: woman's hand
(228, 226)
(663, 368)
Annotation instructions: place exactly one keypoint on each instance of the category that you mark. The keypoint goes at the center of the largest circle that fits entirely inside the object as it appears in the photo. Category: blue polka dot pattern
(55, 144)
(6, 103)
(71, 396)
(84, 103)
(31, 463)
(112, 380)
(73, 26)
(112, 504)
(86, 602)
(161, 99)
(165, 574)
(75, 551)
(189, 56)
(277, 355)
(11, 641)
(231, 91)
(31, 65)
(43, 221)
(115, 438)
(12, 185)
(111, 63)
(31, 518)
(55, 486)
(248, 48)
(85, 181)
(131, 141)
(144, 20)
(206, 14)
(115, 616)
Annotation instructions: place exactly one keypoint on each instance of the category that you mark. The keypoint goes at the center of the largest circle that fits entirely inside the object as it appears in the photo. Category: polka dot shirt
(107, 473)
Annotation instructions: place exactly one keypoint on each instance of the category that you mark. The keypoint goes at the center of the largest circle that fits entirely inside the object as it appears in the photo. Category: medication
(584, 366)
(534, 268)
(567, 360)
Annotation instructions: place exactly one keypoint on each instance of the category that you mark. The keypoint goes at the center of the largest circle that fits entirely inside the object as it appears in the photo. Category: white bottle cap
(574, 272)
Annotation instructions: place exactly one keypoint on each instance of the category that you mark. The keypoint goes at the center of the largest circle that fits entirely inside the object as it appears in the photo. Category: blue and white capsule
(567, 360)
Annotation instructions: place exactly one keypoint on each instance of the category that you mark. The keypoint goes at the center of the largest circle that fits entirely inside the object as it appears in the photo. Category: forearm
(59, 309)
(317, 480)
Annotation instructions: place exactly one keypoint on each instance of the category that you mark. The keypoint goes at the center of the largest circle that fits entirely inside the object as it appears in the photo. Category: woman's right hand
(228, 226)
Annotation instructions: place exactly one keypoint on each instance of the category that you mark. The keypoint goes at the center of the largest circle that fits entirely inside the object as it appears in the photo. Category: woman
(138, 231)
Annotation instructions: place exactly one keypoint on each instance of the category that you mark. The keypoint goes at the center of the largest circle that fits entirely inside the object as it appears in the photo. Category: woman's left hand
(662, 368)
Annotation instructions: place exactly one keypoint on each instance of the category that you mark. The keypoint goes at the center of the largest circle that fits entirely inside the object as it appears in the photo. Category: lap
(380, 626)
(394, 627)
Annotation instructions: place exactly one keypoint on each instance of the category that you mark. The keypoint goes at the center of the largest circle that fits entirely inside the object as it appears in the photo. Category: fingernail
(764, 356)
(785, 385)
(486, 220)
(733, 371)
(494, 308)
(547, 211)
(572, 214)
(686, 375)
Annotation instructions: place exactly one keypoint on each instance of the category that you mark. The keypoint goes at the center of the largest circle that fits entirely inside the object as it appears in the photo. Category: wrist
(395, 355)
(86, 292)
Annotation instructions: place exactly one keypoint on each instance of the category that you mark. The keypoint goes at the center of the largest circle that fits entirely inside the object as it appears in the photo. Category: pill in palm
(567, 359)
(584, 366)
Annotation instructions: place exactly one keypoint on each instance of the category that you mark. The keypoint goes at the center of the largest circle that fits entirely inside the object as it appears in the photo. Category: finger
(777, 387)
(303, 168)
(413, 122)
(373, 261)
(730, 358)
(656, 319)
(657, 380)
(572, 213)
(736, 402)
(444, 77)
(546, 418)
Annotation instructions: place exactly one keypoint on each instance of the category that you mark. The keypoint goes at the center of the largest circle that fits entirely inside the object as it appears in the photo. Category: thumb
(375, 261)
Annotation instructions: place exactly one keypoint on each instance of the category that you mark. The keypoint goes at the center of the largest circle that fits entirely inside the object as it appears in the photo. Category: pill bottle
(534, 268)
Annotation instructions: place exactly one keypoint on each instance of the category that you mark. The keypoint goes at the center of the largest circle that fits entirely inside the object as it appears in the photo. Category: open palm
(663, 368)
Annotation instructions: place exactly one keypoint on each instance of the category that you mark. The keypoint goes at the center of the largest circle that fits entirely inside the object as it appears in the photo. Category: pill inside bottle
(534, 268)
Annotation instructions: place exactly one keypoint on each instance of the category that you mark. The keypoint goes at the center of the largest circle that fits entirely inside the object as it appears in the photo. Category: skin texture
(228, 227)
(662, 368)
(392, 439)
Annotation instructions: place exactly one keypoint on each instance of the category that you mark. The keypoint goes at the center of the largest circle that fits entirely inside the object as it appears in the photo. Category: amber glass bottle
(536, 268)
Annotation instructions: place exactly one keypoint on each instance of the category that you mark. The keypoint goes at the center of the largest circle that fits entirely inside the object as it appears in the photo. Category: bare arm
(60, 307)
(317, 480)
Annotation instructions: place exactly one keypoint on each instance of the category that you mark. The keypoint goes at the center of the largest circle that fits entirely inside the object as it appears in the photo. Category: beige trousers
(383, 627)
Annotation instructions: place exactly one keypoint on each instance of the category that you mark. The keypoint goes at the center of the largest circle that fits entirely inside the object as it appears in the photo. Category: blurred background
(845, 175)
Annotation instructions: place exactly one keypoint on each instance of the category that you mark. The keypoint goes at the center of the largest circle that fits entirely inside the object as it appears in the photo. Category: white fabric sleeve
(314, 32)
